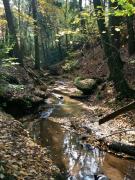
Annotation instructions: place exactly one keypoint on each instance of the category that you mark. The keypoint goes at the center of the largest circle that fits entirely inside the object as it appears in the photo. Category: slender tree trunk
(16, 50)
(114, 61)
(131, 35)
(19, 19)
(44, 53)
(73, 4)
(114, 23)
(21, 39)
(45, 58)
(47, 51)
(66, 36)
(36, 38)
(80, 5)
(82, 21)
(60, 49)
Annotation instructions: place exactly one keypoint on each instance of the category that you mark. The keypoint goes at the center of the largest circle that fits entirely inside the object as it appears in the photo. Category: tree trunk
(82, 21)
(80, 5)
(114, 22)
(36, 38)
(112, 54)
(16, 49)
(60, 49)
(45, 57)
(73, 4)
(66, 36)
(131, 35)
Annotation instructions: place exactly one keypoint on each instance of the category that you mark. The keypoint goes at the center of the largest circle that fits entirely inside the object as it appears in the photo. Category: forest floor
(17, 147)
(20, 156)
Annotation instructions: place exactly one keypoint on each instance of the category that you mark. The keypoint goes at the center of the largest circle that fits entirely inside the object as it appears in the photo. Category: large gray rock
(87, 86)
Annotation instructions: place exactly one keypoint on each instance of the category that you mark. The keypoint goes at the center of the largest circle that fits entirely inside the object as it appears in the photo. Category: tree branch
(114, 114)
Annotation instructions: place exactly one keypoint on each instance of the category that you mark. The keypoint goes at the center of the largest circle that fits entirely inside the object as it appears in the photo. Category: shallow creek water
(76, 160)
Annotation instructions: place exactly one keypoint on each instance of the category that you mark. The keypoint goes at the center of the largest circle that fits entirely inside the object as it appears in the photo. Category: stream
(76, 159)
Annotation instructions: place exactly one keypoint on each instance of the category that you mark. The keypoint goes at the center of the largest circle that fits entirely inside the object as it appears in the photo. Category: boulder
(86, 85)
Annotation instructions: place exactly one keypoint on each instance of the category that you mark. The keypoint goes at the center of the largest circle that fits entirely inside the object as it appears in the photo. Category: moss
(85, 85)
(70, 65)
(3, 89)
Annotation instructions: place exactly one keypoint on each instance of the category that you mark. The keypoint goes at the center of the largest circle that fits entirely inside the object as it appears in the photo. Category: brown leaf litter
(23, 158)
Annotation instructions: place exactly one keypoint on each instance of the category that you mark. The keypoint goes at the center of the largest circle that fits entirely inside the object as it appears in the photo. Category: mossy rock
(87, 86)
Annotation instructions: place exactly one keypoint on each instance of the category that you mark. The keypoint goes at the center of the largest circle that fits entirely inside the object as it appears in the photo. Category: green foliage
(77, 79)
(5, 87)
(5, 59)
(4, 50)
(16, 87)
(28, 102)
(70, 65)
(61, 26)
(127, 9)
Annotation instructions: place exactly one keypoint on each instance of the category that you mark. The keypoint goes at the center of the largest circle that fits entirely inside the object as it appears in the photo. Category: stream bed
(76, 159)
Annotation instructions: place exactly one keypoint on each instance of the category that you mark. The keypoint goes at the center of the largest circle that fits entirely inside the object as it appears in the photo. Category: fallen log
(81, 97)
(121, 148)
(34, 76)
(114, 114)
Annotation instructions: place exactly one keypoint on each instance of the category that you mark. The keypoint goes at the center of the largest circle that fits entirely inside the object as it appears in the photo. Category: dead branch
(118, 132)
(33, 75)
(121, 147)
(114, 114)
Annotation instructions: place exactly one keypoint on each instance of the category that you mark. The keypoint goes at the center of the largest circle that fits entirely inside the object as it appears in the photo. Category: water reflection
(78, 163)
(68, 154)
(81, 163)
(62, 106)
(119, 169)
(52, 137)
(76, 160)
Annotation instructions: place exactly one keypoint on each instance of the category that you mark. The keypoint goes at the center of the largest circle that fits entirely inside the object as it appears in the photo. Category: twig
(114, 114)
(118, 132)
